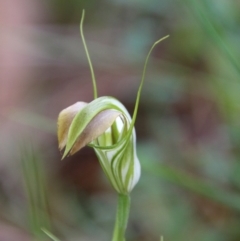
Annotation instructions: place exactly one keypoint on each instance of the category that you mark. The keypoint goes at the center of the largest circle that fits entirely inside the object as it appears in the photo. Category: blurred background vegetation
(188, 124)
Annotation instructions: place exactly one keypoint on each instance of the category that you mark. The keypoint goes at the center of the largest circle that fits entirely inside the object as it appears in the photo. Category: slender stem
(88, 57)
(121, 217)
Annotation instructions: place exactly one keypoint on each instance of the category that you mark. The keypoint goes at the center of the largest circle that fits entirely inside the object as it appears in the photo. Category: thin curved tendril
(127, 137)
(141, 85)
(88, 57)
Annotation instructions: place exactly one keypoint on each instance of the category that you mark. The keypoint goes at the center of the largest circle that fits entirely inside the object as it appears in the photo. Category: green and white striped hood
(105, 125)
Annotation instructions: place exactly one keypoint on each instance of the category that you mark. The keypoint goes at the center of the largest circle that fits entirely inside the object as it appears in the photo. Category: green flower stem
(121, 217)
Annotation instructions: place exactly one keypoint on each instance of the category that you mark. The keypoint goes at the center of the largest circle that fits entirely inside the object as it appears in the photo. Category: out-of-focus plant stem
(200, 9)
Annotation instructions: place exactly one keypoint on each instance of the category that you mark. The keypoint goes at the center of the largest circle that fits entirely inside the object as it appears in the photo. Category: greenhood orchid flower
(105, 125)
